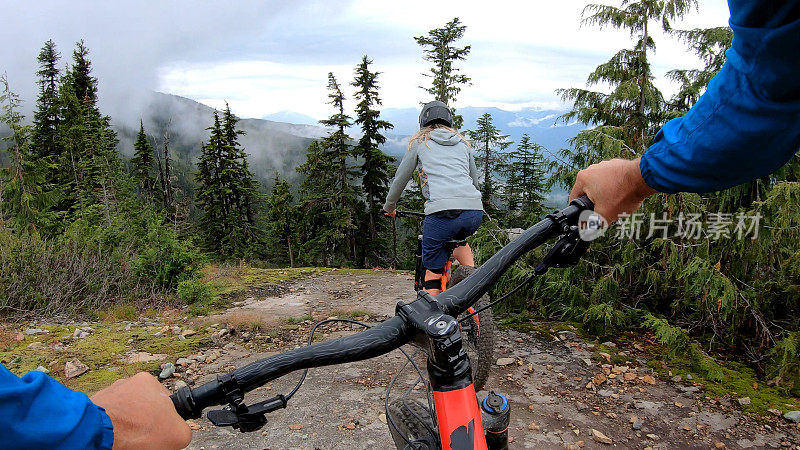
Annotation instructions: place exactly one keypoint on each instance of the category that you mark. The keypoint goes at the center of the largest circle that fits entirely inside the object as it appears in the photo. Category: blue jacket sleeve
(747, 124)
(37, 411)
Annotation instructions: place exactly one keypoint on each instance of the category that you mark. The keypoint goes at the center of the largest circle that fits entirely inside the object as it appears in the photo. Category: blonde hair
(424, 134)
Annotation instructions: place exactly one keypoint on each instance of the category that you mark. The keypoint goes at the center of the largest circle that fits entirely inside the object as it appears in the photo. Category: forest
(82, 228)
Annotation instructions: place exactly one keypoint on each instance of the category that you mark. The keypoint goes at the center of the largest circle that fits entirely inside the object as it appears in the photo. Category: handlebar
(381, 339)
(414, 214)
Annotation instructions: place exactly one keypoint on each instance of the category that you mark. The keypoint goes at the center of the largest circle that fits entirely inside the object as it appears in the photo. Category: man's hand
(392, 213)
(615, 186)
(143, 414)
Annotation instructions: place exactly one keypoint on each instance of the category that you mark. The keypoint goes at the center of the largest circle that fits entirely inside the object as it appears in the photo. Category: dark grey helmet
(435, 111)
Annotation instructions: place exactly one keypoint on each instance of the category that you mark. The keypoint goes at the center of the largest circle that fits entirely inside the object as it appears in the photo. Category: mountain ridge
(275, 146)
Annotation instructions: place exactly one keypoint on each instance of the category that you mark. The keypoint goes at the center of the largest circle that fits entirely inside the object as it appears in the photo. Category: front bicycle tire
(411, 422)
(478, 334)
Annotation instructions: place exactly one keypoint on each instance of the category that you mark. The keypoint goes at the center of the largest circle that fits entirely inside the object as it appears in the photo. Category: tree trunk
(372, 233)
(291, 256)
(643, 82)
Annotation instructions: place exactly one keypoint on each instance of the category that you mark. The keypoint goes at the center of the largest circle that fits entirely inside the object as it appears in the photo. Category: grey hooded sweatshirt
(447, 172)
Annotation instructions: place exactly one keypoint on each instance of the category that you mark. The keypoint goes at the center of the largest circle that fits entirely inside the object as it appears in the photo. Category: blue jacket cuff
(107, 429)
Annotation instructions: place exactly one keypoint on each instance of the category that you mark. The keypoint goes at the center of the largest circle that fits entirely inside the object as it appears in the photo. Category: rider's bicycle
(457, 420)
(476, 329)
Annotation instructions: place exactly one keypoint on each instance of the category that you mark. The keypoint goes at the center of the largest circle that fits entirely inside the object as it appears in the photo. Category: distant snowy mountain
(291, 117)
(541, 125)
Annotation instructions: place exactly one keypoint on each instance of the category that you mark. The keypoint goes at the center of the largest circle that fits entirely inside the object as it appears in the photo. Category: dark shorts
(438, 230)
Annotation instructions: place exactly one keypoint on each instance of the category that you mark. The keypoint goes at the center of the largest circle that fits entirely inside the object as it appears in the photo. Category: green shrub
(65, 275)
(785, 362)
(166, 259)
(602, 318)
(194, 291)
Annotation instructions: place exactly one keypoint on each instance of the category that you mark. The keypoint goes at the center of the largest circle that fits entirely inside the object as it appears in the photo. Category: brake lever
(246, 418)
(566, 252)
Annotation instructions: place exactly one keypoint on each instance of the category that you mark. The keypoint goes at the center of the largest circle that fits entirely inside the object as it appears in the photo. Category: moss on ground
(738, 381)
(102, 352)
(298, 320)
(229, 281)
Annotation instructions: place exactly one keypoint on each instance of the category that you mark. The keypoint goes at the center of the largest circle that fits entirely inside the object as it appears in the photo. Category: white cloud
(265, 57)
(522, 51)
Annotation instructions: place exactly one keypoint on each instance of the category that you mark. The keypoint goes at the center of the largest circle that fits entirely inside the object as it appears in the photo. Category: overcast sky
(269, 56)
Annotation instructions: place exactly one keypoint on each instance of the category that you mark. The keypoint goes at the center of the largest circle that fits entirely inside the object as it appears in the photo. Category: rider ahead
(449, 181)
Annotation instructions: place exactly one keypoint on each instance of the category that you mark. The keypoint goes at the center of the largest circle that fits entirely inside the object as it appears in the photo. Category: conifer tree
(84, 85)
(526, 182)
(227, 193)
(489, 143)
(166, 175)
(46, 117)
(90, 170)
(439, 48)
(25, 194)
(634, 110)
(376, 165)
(321, 230)
(721, 288)
(709, 45)
(281, 218)
(143, 161)
(246, 199)
(338, 153)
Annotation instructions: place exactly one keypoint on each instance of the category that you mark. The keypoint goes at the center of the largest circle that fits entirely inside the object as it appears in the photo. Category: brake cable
(311, 339)
(565, 252)
(505, 296)
(408, 357)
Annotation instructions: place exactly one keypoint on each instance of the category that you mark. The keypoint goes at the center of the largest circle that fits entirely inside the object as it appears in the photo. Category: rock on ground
(74, 368)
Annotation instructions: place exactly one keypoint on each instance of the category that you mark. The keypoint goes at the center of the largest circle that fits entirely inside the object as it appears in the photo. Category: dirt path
(559, 391)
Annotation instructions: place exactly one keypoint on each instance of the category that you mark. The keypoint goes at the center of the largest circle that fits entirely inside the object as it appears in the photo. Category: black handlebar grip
(185, 404)
(583, 202)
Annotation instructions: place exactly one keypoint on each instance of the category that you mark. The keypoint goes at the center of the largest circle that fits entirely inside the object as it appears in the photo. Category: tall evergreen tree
(166, 174)
(90, 170)
(338, 153)
(489, 143)
(634, 110)
(322, 222)
(227, 193)
(526, 182)
(25, 194)
(209, 195)
(439, 48)
(46, 117)
(376, 165)
(84, 85)
(143, 161)
(721, 288)
(281, 218)
(246, 198)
